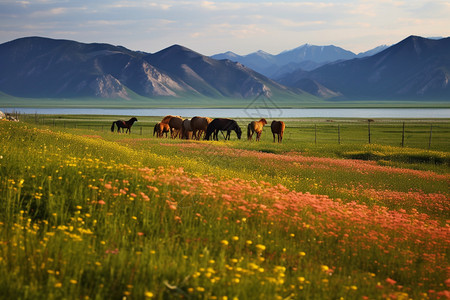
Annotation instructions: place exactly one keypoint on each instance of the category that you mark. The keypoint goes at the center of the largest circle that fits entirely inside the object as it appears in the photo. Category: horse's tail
(112, 126)
(248, 131)
(155, 129)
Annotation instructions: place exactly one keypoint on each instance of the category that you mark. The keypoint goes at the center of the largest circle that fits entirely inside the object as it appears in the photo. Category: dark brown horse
(255, 126)
(121, 124)
(186, 129)
(199, 125)
(176, 127)
(220, 124)
(278, 128)
(160, 129)
(175, 124)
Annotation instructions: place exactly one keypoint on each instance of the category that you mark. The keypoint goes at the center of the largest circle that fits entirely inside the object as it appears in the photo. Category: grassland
(86, 213)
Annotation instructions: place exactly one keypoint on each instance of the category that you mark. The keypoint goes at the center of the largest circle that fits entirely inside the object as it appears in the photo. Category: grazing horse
(160, 129)
(222, 125)
(255, 126)
(199, 125)
(175, 123)
(123, 124)
(277, 128)
(176, 126)
(186, 129)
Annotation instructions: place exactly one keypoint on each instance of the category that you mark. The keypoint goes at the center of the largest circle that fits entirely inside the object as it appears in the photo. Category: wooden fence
(424, 134)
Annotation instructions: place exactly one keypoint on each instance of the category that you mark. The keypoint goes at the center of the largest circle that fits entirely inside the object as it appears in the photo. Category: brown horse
(175, 124)
(121, 124)
(160, 129)
(186, 129)
(255, 126)
(199, 125)
(278, 128)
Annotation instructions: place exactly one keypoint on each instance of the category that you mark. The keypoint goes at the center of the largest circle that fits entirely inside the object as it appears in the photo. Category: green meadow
(90, 214)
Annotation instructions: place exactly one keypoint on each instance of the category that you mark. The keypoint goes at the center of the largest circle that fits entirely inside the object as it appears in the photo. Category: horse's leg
(216, 134)
(273, 133)
(281, 137)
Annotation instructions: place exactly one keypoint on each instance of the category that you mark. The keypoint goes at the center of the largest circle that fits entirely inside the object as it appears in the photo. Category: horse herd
(204, 127)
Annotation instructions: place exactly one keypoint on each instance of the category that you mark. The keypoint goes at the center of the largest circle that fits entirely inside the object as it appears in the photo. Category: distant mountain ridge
(42, 67)
(306, 57)
(415, 68)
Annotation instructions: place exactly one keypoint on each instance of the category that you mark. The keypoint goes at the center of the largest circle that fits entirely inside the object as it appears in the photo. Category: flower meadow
(92, 215)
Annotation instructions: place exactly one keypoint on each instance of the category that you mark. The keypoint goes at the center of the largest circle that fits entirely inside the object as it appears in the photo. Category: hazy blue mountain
(42, 67)
(415, 68)
(306, 57)
(373, 51)
(319, 54)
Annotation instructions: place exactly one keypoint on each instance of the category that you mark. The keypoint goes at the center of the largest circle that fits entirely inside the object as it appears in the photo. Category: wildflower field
(90, 214)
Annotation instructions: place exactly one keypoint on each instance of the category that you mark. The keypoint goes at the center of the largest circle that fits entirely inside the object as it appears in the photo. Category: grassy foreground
(93, 215)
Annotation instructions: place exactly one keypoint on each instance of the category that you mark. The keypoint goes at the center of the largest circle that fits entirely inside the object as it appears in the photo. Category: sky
(212, 27)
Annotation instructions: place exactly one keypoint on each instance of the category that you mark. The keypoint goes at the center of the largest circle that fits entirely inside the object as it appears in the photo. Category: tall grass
(87, 214)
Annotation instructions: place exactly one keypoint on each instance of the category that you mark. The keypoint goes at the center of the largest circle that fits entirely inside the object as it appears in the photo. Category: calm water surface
(435, 113)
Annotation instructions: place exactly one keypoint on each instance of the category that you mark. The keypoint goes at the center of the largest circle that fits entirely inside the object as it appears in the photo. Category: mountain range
(413, 69)
(36, 67)
(306, 57)
(40, 67)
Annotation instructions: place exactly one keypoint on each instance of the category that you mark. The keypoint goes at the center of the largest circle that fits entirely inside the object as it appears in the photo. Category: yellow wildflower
(260, 247)
(149, 294)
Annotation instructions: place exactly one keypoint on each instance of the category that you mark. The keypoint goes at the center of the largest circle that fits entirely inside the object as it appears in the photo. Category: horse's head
(238, 131)
(133, 119)
(263, 121)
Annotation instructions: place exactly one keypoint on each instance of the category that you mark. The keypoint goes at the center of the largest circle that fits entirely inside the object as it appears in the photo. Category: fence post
(339, 134)
(141, 130)
(315, 133)
(403, 135)
(431, 132)
(368, 122)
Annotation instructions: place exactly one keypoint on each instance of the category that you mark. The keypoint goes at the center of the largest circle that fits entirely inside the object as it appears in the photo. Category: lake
(258, 112)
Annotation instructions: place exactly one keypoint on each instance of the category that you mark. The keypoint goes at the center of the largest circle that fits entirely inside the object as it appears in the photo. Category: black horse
(222, 125)
(124, 124)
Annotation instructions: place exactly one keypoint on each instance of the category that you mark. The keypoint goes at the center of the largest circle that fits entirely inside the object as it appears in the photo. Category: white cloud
(213, 26)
